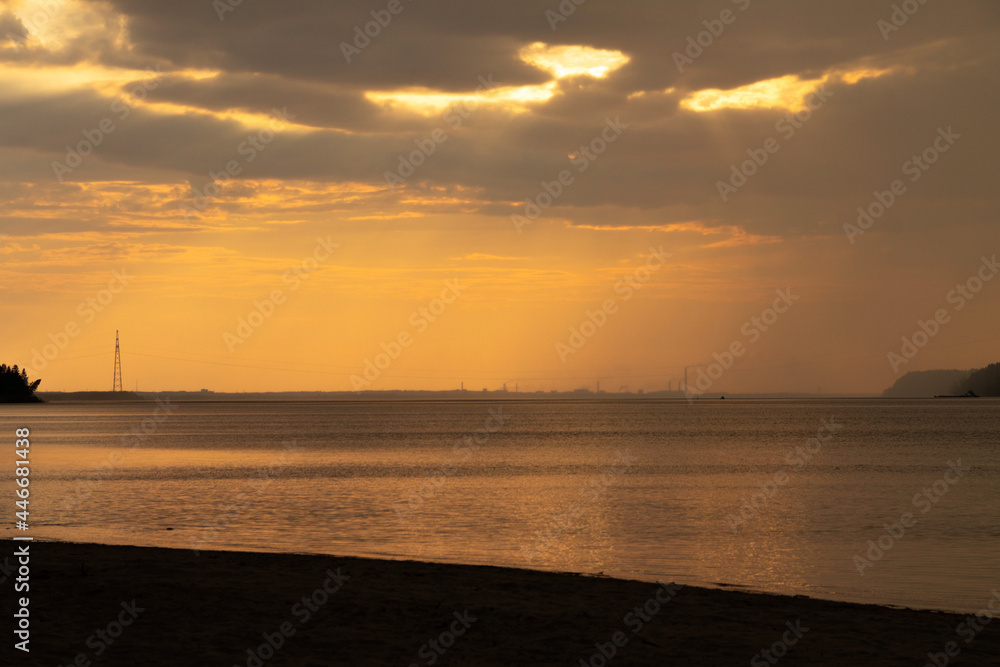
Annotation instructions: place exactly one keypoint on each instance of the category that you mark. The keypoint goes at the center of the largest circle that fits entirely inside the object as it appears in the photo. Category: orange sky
(348, 196)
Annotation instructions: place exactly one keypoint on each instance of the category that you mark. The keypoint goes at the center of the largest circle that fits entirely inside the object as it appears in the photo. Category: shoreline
(421, 396)
(220, 607)
(617, 576)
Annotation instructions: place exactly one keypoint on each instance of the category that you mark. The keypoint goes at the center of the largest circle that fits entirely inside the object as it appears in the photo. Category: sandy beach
(112, 605)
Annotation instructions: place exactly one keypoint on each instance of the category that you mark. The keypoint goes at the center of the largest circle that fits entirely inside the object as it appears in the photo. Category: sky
(264, 196)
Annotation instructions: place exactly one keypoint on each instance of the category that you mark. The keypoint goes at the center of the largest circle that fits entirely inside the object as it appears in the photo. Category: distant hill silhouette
(925, 384)
(14, 386)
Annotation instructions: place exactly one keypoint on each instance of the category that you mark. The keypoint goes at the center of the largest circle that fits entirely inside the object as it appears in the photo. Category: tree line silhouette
(985, 381)
(15, 387)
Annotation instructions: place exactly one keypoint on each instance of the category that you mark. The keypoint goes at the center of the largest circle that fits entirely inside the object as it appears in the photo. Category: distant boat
(968, 394)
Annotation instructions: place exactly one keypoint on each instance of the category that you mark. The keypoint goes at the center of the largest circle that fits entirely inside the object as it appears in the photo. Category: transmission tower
(118, 366)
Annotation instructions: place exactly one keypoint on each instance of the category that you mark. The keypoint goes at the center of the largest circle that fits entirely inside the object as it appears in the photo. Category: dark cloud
(12, 29)
(447, 44)
(944, 64)
(317, 105)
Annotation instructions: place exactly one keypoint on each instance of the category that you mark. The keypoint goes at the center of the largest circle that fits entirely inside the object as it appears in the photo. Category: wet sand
(113, 605)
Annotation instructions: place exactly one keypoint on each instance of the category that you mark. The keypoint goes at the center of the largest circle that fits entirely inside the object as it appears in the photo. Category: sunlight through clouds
(426, 101)
(787, 92)
(566, 61)
(52, 25)
(134, 132)
(560, 61)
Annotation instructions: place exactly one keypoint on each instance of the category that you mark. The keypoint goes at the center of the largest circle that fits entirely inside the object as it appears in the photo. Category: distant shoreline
(348, 396)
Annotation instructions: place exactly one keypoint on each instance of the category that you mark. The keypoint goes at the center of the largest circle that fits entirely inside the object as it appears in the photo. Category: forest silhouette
(15, 386)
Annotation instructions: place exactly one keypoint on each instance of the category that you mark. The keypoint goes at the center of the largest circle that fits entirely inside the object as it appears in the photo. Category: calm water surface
(632, 489)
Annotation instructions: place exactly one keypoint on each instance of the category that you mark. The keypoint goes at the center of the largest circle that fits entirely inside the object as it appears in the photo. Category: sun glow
(566, 61)
(787, 92)
(427, 101)
(51, 25)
